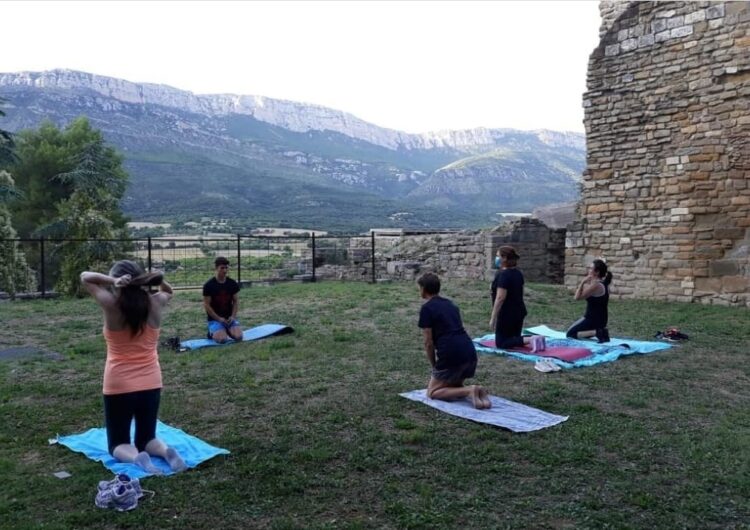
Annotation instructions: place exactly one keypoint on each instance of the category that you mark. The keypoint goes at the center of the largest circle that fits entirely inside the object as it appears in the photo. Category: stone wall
(610, 11)
(665, 194)
(542, 249)
(467, 254)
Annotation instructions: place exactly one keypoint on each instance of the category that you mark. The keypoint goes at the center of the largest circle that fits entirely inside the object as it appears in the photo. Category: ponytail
(134, 305)
(600, 267)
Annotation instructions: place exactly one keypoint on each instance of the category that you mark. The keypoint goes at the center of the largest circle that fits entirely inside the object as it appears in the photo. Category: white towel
(504, 413)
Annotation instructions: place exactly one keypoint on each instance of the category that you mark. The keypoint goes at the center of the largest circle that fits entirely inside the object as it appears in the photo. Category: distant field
(137, 225)
(192, 252)
(287, 231)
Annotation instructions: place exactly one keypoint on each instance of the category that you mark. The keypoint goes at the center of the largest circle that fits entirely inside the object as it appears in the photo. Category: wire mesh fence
(188, 261)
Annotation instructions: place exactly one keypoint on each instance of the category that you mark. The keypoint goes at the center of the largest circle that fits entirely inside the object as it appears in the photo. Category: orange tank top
(132, 362)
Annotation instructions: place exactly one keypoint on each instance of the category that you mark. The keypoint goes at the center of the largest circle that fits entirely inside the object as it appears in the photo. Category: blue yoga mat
(256, 333)
(601, 353)
(93, 444)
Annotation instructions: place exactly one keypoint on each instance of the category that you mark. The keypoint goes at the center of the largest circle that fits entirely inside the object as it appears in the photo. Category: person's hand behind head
(122, 281)
(149, 279)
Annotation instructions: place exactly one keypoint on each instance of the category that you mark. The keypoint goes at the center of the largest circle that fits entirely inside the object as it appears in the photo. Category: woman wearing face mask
(594, 288)
(508, 308)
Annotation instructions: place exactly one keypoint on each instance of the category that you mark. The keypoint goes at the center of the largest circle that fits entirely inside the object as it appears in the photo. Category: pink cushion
(564, 353)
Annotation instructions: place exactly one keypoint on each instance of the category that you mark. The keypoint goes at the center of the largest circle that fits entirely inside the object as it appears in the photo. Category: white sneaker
(546, 366)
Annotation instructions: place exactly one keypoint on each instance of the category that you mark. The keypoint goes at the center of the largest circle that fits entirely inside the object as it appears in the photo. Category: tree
(15, 275)
(52, 163)
(72, 183)
(90, 243)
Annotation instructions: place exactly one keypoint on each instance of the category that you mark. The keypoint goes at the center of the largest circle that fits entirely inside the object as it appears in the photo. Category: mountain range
(261, 161)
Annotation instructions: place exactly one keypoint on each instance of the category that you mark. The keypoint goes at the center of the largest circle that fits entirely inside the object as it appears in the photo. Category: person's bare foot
(143, 460)
(175, 461)
(485, 397)
(476, 397)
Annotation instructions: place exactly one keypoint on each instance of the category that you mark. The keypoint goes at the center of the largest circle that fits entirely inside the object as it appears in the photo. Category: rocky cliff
(291, 115)
(271, 161)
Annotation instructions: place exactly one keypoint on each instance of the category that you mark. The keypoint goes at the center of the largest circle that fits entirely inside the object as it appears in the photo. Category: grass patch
(321, 439)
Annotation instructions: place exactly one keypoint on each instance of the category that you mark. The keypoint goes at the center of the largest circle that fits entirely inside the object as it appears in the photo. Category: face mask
(497, 261)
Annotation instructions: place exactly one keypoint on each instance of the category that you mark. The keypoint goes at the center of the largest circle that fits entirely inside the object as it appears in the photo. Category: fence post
(372, 253)
(239, 261)
(149, 253)
(313, 256)
(41, 267)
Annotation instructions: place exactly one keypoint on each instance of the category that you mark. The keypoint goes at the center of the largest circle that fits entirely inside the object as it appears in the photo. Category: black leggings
(508, 333)
(583, 324)
(119, 411)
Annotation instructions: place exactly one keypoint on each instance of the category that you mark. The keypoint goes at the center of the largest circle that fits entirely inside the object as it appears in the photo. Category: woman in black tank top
(594, 288)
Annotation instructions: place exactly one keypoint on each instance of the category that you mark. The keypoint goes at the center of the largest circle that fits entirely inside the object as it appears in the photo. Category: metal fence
(187, 261)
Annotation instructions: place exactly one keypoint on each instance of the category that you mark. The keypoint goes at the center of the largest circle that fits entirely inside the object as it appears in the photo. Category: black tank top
(596, 308)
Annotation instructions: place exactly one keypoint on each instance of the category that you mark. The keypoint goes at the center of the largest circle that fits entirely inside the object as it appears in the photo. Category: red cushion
(564, 353)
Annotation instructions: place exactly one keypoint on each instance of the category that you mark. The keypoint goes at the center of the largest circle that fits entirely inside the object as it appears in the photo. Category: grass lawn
(320, 438)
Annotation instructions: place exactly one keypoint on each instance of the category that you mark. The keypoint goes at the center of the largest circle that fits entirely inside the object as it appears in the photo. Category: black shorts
(119, 411)
(456, 374)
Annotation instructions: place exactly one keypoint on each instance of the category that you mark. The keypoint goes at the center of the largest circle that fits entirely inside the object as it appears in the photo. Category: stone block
(715, 11)
(729, 233)
(738, 8)
(695, 16)
(682, 31)
(659, 25)
(662, 36)
(676, 21)
(724, 268)
(611, 50)
(628, 45)
(665, 14)
(646, 40)
(735, 284)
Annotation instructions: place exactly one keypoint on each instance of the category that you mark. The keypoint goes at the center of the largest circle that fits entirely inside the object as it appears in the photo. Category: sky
(415, 66)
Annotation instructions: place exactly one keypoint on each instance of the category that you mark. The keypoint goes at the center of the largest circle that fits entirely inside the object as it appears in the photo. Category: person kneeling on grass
(132, 375)
(508, 307)
(221, 302)
(594, 288)
(448, 347)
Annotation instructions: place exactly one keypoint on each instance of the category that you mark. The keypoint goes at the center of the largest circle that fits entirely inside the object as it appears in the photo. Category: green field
(320, 438)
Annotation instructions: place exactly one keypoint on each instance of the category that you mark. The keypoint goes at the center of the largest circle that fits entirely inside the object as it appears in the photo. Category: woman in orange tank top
(132, 375)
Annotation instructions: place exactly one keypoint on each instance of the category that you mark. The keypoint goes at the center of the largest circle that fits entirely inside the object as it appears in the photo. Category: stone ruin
(465, 254)
(665, 194)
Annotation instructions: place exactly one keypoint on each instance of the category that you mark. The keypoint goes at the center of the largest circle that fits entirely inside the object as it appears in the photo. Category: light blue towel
(258, 332)
(504, 413)
(93, 444)
(601, 353)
